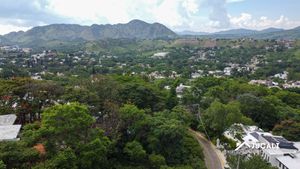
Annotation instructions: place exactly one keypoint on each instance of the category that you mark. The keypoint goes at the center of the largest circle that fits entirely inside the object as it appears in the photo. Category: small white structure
(8, 131)
(291, 85)
(267, 83)
(36, 77)
(156, 75)
(8, 119)
(196, 75)
(180, 90)
(227, 71)
(160, 55)
(167, 87)
(282, 76)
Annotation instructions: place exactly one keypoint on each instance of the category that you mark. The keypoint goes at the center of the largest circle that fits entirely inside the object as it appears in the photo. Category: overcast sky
(179, 15)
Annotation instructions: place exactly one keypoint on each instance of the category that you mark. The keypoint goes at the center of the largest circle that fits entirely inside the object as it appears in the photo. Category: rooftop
(8, 119)
(255, 135)
(291, 161)
(9, 132)
(283, 143)
(279, 151)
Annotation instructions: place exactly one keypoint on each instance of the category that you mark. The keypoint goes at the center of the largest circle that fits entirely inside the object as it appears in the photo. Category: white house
(9, 131)
(283, 75)
(286, 155)
(277, 150)
(227, 71)
(180, 90)
(289, 161)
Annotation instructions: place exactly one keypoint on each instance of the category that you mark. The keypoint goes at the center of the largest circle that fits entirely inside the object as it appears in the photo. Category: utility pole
(238, 163)
(200, 119)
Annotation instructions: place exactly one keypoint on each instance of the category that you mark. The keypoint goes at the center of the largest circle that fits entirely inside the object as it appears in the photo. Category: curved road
(212, 158)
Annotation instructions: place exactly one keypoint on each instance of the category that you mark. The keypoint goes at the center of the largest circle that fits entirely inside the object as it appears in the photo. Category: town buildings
(277, 150)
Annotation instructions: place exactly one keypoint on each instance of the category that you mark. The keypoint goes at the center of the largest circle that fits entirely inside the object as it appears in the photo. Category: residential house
(9, 131)
(277, 150)
(181, 89)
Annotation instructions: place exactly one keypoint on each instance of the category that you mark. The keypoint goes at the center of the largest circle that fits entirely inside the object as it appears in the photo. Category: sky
(178, 15)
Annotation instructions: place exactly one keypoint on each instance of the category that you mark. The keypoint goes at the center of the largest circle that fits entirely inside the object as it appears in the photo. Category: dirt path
(213, 159)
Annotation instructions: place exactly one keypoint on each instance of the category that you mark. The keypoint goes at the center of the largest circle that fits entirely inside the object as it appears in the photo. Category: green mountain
(270, 33)
(187, 33)
(271, 30)
(135, 29)
(283, 34)
(236, 32)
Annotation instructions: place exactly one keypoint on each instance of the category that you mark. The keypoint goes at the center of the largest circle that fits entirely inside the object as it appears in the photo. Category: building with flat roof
(289, 161)
(8, 119)
(285, 155)
(9, 131)
(277, 150)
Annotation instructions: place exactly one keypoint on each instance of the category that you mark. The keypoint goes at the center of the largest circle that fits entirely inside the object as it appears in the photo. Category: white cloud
(191, 6)
(5, 28)
(8, 25)
(245, 20)
(91, 11)
(218, 13)
(172, 13)
(169, 12)
(176, 14)
(233, 1)
(242, 20)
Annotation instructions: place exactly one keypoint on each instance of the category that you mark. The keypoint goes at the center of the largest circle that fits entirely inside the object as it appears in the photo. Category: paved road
(212, 159)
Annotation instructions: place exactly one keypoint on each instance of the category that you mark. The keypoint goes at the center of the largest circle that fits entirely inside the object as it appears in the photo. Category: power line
(200, 119)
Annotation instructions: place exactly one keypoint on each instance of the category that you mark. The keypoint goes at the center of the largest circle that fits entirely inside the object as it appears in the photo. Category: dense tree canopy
(253, 162)
(289, 129)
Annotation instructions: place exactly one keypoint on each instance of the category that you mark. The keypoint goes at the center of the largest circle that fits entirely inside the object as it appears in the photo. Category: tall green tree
(218, 117)
(289, 129)
(135, 151)
(253, 162)
(67, 132)
(260, 110)
(17, 155)
(65, 159)
(67, 125)
(2, 165)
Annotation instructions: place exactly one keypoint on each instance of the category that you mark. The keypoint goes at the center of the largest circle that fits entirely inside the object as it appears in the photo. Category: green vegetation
(125, 121)
(113, 103)
(220, 117)
(224, 102)
(104, 130)
(288, 129)
(253, 162)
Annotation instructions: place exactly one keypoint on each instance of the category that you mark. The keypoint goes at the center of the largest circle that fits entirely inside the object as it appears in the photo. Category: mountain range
(135, 29)
(233, 32)
(269, 33)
